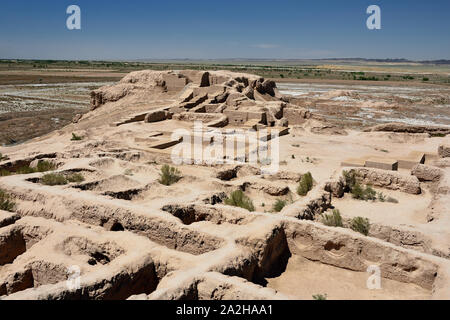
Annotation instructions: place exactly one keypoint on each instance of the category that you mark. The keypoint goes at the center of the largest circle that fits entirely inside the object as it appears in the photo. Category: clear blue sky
(210, 29)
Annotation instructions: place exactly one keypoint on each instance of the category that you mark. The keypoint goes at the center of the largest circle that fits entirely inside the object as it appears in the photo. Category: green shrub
(5, 203)
(25, 170)
(44, 166)
(360, 193)
(2, 157)
(350, 179)
(76, 138)
(4, 173)
(75, 177)
(437, 135)
(279, 205)
(392, 200)
(128, 172)
(320, 297)
(370, 194)
(333, 220)
(382, 198)
(361, 225)
(357, 192)
(306, 184)
(239, 199)
(54, 179)
(169, 175)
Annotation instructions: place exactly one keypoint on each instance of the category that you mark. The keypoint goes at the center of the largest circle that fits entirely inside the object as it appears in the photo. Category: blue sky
(214, 29)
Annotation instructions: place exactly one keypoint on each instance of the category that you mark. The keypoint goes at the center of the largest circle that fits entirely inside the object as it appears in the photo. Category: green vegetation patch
(54, 179)
(169, 175)
(4, 173)
(25, 170)
(239, 199)
(42, 166)
(361, 225)
(3, 158)
(361, 193)
(333, 219)
(391, 200)
(76, 138)
(5, 203)
(306, 184)
(59, 179)
(320, 297)
(279, 205)
(75, 178)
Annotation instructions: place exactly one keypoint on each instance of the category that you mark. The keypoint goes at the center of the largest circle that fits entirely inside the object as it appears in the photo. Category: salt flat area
(35, 97)
(369, 104)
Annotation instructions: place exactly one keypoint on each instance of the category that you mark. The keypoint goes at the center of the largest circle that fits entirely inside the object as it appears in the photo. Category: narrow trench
(116, 227)
(11, 246)
(119, 286)
(273, 262)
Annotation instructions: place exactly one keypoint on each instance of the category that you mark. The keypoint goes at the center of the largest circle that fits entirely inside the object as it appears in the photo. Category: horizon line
(235, 59)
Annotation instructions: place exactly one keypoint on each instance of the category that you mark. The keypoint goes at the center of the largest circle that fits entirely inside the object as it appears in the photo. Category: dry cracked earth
(128, 236)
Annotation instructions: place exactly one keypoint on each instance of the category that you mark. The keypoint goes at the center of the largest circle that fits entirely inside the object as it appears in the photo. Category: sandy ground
(358, 82)
(303, 279)
(359, 104)
(411, 210)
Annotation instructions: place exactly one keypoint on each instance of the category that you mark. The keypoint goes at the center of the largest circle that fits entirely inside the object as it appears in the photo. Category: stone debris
(427, 173)
(388, 180)
(409, 128)
(444, 151)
